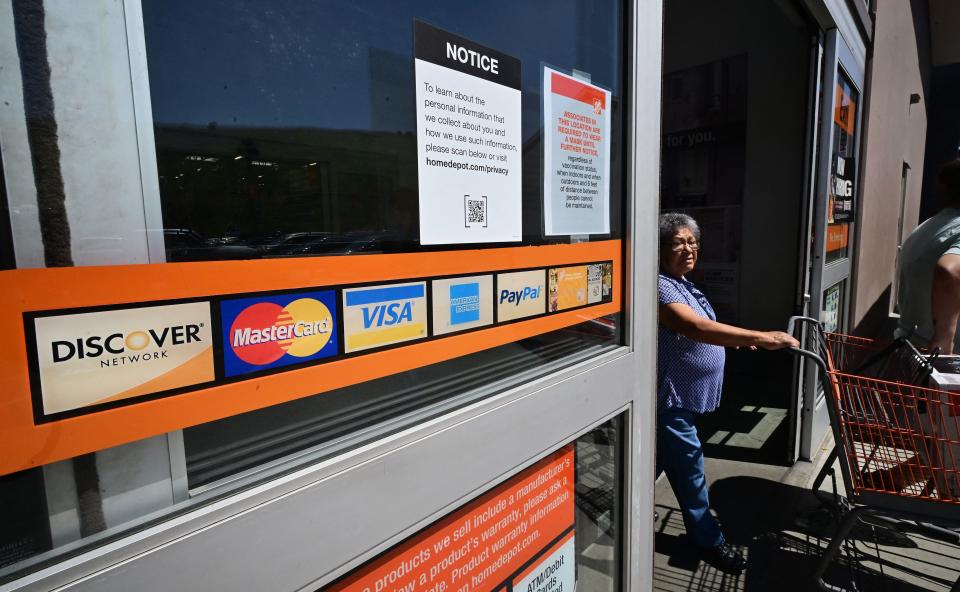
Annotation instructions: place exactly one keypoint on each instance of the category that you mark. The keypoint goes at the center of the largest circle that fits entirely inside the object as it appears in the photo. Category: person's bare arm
(945, 302)
(682, 319)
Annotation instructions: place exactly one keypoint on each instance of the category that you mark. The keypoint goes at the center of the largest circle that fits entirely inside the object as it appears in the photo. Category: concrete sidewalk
(780, 526)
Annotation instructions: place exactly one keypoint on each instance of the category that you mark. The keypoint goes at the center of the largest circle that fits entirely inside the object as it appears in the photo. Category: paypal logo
(517, 297)
(521, 294)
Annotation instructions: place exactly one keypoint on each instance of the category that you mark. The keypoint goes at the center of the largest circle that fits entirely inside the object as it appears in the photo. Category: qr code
(475, 211)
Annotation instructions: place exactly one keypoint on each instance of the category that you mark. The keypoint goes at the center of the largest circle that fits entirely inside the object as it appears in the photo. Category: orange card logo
(91, 358)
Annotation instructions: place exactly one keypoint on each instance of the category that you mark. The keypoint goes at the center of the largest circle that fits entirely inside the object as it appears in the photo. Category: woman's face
(679, 255)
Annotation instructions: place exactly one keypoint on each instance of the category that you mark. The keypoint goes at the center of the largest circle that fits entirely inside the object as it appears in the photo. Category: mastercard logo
(265, 332)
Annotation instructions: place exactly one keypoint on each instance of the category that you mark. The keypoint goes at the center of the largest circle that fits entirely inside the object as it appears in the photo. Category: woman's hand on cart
(772, 340)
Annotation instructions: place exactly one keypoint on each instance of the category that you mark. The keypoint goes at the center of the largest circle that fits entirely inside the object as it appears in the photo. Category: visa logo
(386, 314)
(382, 315)
(516, 297)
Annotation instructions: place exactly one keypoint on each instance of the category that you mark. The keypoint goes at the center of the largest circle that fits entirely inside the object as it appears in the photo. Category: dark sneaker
(725, 558)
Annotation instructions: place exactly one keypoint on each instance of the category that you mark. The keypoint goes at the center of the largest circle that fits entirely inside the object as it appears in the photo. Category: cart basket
(896, 436)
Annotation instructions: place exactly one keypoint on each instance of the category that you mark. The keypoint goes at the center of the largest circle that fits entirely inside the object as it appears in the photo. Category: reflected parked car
(184, 244)
(346, 243)
(288, 245)
(338, 244)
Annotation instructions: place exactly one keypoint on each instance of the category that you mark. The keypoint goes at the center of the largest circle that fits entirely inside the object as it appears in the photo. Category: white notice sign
(468, 140)
(576, 174)
(553, 572)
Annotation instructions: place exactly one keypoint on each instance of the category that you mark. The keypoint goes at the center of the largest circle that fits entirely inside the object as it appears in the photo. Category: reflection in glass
(288, 129)
(832, 314)
(704, 168)
(217, 452)
(599, 489)
(234, 453)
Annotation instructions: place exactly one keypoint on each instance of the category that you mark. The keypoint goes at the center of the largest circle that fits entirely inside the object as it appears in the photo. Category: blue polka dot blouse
(689, 373)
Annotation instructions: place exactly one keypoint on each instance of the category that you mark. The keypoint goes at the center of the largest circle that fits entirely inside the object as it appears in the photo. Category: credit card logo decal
(273, 331)
(462, 303)
(520, 294)
(84, 359)
(383, 315)
(92, 358)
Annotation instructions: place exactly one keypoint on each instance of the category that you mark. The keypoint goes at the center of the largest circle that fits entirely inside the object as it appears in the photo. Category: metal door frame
(837, 57)
(802, 302)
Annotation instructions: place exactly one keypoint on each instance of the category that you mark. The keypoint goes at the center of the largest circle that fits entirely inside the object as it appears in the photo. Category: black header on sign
(452, 51)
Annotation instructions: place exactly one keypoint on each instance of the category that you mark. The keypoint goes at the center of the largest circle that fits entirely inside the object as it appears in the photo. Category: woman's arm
(682, 319)
(945, 302)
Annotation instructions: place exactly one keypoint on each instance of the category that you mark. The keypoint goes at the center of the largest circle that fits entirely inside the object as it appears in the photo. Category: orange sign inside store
(845, 112)
(132, 304)
(838, 237)
(486, 543)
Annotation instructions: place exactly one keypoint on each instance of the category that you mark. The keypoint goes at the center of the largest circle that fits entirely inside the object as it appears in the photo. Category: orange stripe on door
(25, 444)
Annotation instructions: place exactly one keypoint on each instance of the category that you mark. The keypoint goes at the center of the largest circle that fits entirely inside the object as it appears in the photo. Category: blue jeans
(680, 455)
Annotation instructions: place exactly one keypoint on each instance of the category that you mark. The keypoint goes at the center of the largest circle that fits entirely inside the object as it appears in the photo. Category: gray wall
(895, 134)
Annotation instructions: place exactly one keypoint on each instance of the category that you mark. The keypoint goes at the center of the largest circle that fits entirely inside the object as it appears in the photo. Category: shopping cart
(897, 439)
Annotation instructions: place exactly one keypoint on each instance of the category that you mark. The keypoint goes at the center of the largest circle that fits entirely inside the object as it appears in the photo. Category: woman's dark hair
(949, 177)
(671, 222)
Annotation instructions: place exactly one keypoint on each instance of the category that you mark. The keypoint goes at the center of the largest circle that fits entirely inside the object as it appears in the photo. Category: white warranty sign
(468, 140)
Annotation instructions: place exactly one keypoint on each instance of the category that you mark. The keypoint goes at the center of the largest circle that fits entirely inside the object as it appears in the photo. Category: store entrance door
(736, 84)
(834, 210)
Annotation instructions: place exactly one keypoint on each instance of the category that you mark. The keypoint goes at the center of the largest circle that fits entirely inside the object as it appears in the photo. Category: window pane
(262, 443)
(832, 315)
(528, 533)
(843, 167)
(288, 129)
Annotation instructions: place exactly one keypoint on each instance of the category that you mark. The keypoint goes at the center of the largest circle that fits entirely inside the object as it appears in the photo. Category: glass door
(230, 335)
(834, 214)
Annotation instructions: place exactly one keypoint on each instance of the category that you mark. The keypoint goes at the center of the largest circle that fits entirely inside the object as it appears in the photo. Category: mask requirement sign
(576, 150)
(468, 140)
